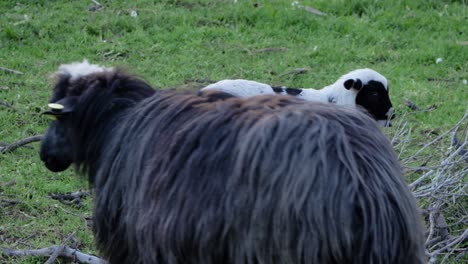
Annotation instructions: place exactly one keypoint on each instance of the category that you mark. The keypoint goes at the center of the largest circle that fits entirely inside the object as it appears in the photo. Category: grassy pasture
(173, 42)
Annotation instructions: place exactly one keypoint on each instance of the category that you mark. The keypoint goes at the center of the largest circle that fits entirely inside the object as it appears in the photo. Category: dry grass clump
(437, 172)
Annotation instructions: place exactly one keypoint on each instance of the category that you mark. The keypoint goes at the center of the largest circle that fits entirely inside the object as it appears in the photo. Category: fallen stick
(11, 71)
(460, 239)
(314, 11)
(59, 249)
(465, 116)
(411, 105)
(7, 202)
(296, 71)
(96, 2)
(264, 50)
(199, 81)
(455, 142)
(268, 50)
(66, 252)
(5, 104)
(13, 146)
(70, 198)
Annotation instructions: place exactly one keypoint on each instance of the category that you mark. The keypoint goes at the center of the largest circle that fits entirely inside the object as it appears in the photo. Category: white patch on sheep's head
(79, 69)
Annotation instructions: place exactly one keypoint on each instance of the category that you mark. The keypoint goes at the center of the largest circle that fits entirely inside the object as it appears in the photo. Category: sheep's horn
(56, 107)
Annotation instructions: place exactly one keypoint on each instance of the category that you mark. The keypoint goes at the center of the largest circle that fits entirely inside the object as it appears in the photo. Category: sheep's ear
(351, 83)
(61, 107)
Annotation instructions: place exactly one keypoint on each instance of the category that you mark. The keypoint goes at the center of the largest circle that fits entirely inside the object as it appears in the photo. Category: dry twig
(8, 202)
(199, 81)
(440, 186)
(455, 241)
(465, 116)
(264, 50)
(314, 11)
(411, 105)
(5, 104)
(59, 249)
(63, 252)
(74, 198)
(455, 142)
(11, 71)
(295, 72)
(281, 49)
(13, 146)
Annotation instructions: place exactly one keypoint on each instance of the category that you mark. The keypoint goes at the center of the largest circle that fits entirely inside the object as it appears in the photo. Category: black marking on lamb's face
(293, 91)
(375, 99)
(351, 83)
(278, 89)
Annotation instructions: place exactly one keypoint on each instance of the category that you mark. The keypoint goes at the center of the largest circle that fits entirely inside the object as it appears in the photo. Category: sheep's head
(56, 148)
(372, 93)
(86, 104)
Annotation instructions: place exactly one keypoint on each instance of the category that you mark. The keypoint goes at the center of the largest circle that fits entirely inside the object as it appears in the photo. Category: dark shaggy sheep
(208, 178)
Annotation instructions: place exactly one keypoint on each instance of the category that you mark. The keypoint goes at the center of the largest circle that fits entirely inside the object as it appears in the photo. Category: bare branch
(440, 136)
(455, 241)
(13, 146)
(281, 49)
(199, 81)
(96, 2)
(296, 71)
(70, 198)
(461, 147)
(440, 187)
(7, 202)
(59, 249)
(314, 11)
(11, 71)
(421, 179)
(247, 50)
(5, 104)
(66, 252)
(411, 105)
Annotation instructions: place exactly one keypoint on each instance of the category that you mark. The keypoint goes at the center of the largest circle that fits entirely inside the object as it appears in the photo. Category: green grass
(172, 41)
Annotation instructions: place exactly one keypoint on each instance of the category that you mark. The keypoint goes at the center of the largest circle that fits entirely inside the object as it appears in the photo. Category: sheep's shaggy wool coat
(210, 178)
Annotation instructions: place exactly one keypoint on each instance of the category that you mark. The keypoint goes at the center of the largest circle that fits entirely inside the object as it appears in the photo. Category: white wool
(365, 75)
(79, 69)
(334, 93)
(240, 88)
(310, 94)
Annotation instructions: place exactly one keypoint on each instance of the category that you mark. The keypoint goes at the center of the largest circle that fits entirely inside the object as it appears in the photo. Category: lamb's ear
(351, 83)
